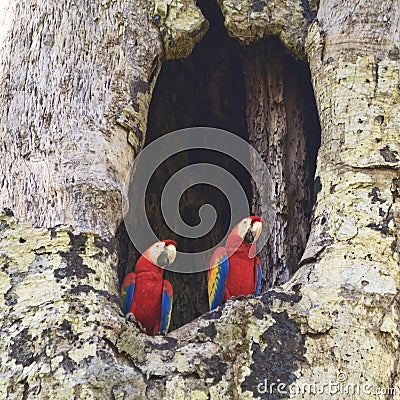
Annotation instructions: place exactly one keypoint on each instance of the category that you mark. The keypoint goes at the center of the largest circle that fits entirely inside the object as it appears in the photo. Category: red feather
(242, 279)
(146, 304)
(241, 275)
(168, 242)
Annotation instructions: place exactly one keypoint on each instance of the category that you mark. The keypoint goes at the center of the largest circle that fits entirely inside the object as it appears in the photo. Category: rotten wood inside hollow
(205, 89)
(217, 86)
(284, 128)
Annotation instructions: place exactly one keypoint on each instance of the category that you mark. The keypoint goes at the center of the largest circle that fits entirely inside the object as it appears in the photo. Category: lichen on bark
(62, 332)
(181, 24)
(251, 20)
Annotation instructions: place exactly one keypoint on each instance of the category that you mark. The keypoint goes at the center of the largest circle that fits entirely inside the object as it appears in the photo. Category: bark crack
(26, 390)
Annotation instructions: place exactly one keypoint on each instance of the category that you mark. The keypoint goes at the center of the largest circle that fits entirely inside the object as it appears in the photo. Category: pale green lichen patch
(97, 260)
(344, 227)
(255, 329)
(181, 24)
(36, 290)
(59, 309)
(180, 388)
(366, 91)
(370, 277)
(25, 242)
(252, 20)
(223, 390)
(5, 286)
(219, 348)
(357, 271)
(389, 324)
(79, 354)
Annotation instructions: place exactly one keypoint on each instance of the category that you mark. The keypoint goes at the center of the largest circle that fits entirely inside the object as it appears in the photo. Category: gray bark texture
(76, 81)
(284, 129)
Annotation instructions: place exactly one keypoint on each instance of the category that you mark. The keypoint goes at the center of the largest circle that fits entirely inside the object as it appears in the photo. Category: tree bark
(76, 82)
(284, 129)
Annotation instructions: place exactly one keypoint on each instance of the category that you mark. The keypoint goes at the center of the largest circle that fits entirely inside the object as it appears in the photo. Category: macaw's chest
(147, 299)
(241, 279)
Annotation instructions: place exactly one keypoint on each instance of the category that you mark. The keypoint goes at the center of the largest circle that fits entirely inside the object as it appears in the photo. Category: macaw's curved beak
(167, 257)
(254, 232)
(162, 260)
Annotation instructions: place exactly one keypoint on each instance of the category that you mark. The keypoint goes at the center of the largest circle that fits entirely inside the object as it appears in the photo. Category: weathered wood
(284, 129)
(249, 21)
(68, 74)
(353, 251)
(76, 81)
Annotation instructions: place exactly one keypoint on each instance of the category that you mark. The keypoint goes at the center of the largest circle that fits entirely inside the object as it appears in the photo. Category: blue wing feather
(166, 307)
(258, 275)
(127, 292)
(217, 275)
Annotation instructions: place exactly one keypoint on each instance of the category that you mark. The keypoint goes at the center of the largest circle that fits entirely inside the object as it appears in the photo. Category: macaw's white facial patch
(155, 251)
(243, 226)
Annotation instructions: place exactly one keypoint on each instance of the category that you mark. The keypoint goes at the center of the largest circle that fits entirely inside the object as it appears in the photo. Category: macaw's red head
(159, 255)
(245, 233)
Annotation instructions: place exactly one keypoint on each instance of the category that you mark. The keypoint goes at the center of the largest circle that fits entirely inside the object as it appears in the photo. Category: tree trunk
(284, 129)
(76, 83)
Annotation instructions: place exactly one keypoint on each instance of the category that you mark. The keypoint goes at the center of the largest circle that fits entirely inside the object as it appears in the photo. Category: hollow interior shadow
(205, 89)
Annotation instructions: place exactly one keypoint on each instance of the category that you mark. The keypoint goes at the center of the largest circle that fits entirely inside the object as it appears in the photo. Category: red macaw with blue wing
(145, 294)
(234, 269)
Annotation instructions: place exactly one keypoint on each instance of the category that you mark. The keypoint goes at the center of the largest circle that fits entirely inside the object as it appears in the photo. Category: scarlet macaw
(234, 269)
(145, 294)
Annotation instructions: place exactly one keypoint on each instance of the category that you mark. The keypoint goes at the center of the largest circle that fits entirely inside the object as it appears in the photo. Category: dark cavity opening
(261, 94)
